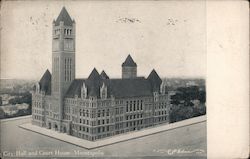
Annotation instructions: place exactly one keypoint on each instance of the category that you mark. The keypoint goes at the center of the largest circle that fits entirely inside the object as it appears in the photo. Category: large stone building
(95, 107)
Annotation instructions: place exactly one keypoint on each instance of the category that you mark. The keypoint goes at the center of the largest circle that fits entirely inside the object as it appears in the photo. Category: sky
(167, 36)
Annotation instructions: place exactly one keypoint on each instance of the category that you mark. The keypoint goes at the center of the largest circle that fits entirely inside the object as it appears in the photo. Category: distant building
(98, 106)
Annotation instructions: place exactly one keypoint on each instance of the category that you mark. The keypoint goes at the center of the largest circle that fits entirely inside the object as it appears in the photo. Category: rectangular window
(99, 113)
(107, 113)
(103, 112)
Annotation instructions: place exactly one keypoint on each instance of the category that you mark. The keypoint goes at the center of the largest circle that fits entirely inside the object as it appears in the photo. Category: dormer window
(37, 88)
(103, 91)
(84, 91)
(163, 87)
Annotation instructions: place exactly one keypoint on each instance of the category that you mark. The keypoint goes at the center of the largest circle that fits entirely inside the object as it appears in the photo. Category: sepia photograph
(103, 79)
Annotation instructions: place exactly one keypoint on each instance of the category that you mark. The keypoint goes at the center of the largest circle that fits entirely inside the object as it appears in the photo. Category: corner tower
(129, 68)
(63, 61)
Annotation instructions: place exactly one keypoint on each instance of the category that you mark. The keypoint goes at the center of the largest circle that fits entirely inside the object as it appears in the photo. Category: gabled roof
(119, 88)
(104, 75)
(129, 62)
(64, 16)
(155, 80)
(45, 82)
(124, 88)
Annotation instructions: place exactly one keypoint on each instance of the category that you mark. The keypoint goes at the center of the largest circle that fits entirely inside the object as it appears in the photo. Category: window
(103, 112)
(99, 122)
(107, 113)
(103, 121)
(87, 112)
(107, 121)
(99, 113)
(127, 106)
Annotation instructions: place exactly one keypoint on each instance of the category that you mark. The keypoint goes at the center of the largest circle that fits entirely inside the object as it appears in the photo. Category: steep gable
(104, 75)
(155, 80)
(45, 82)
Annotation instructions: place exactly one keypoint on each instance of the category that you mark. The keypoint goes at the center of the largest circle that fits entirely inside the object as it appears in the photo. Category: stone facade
(95, 107)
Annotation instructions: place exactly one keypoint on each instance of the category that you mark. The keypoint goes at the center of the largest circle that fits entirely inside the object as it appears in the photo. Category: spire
(104, 75)
(129, 62)
(64, 16)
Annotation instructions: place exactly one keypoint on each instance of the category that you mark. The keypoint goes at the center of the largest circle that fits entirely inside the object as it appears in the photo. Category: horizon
(172, 43)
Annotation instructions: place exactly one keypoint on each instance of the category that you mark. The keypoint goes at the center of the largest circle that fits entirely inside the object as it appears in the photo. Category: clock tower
(63, 59)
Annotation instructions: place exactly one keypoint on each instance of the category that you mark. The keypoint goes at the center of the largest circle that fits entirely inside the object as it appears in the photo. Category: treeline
(20, 98)
(183, 106)
(25, 97)
(21, 112)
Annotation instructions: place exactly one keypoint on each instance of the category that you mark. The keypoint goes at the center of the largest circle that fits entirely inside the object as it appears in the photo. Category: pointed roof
(129, 62)
(155, 80)
(64, 16)
(104, 75)
(45, 82)
(94, 75)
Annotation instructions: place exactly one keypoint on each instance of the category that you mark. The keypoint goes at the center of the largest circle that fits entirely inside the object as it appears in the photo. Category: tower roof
(155, 80)
(129, 62)
(104, 75)
(45, 82)
(94, 75)
(64, 16)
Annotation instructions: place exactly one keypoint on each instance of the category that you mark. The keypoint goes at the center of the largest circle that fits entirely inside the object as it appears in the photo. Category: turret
(129, 68)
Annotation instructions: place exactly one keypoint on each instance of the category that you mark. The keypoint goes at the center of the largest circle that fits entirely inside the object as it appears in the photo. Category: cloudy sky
(167, 36)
